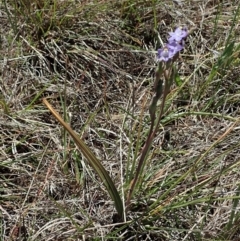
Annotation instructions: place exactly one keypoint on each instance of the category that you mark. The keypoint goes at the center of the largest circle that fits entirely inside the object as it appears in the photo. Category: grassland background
(95, 62)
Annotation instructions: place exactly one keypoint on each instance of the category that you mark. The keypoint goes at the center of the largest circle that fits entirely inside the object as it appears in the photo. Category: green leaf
(178, 80)
(93, 161)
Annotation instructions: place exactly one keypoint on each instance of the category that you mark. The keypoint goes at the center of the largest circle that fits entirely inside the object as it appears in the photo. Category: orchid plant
(165, 74)
(166, 69)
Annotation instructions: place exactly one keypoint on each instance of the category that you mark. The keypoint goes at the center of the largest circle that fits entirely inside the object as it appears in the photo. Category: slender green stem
(151, 133)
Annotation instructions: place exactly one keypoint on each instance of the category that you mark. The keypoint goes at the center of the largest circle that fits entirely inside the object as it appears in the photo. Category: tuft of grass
(95, 61)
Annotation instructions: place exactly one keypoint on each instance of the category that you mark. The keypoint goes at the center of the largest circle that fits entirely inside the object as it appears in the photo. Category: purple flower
(165, 53)
(175, 46)
(178, 35)
(169, 51)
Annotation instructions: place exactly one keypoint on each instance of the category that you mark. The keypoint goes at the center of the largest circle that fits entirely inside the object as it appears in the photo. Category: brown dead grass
(95, 62)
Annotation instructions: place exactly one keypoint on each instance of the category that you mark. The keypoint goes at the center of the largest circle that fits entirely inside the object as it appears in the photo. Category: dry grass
(96, 66)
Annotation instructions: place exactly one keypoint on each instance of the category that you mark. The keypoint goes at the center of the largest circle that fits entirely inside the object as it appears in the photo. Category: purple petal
(175, 46)
(179, 34)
